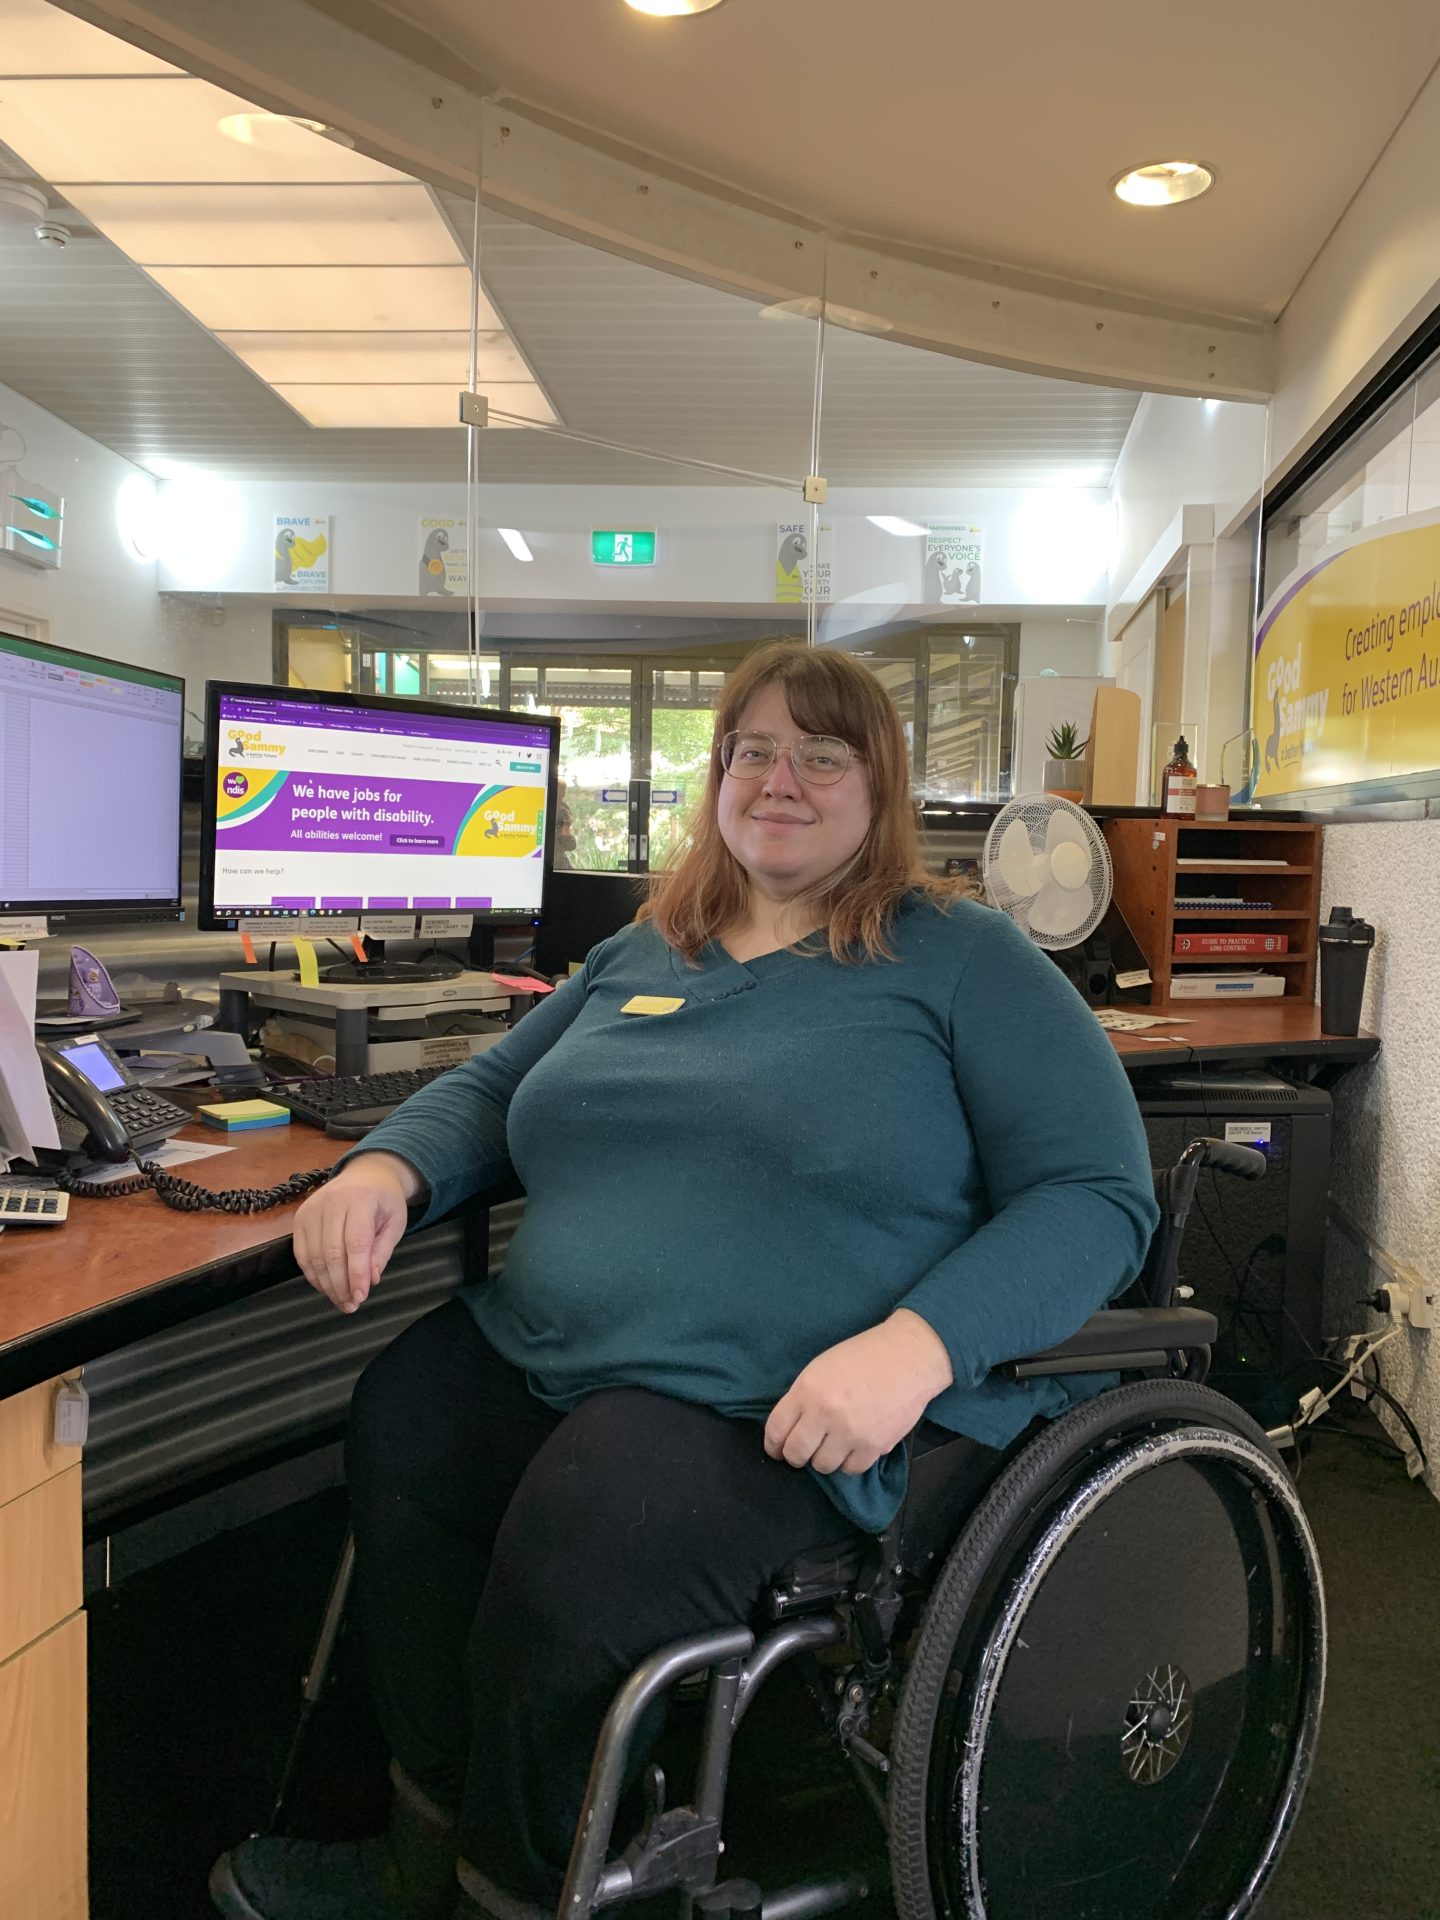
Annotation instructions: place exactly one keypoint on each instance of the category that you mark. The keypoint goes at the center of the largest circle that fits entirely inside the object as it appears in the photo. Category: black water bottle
(1345, 944)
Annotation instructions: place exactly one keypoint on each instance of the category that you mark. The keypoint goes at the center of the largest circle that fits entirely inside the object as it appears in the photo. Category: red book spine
(1247, 945)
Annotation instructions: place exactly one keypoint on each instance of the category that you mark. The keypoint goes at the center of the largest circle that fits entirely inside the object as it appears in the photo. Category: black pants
(515, 1564)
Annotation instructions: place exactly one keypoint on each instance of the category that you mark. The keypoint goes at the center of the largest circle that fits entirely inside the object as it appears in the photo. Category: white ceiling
(629, 354)
(991, 131)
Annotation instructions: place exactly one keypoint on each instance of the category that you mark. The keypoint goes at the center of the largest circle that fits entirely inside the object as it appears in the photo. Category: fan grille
(1035, 812)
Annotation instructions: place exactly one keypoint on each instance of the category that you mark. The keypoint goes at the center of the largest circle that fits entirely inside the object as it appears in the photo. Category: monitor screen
(90, 757)
(326, 803)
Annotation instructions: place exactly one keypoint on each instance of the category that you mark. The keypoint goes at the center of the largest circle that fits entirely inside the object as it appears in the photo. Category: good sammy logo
(1291, 717)
(249, 743)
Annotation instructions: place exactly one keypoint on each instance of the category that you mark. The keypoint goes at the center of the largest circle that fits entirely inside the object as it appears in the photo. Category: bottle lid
(1182, 745)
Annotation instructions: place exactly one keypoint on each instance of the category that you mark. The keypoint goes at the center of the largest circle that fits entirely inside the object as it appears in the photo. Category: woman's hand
(856, 1401)
(345, 1233)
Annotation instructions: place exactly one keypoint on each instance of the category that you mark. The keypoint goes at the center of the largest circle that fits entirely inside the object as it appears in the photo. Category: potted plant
(1065, 768)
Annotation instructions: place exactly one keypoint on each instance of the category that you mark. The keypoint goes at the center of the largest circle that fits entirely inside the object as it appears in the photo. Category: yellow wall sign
(1347, 665)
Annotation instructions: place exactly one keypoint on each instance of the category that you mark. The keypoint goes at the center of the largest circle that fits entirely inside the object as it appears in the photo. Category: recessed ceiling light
(672, 9)
(516, 542)
(1163, 183)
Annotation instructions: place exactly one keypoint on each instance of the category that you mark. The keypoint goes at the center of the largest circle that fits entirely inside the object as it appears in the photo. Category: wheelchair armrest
(1121, 1337)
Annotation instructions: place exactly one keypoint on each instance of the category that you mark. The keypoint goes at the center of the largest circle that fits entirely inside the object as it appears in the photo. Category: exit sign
(623, 547)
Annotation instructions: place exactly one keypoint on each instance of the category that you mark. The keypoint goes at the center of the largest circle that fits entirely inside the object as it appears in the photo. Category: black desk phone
(101, 1110)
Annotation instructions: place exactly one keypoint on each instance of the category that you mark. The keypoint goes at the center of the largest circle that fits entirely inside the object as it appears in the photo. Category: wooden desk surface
(1256, 1030)
(121, 1269)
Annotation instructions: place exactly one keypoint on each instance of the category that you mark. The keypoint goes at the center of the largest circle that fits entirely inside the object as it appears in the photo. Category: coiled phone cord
(185, 1196)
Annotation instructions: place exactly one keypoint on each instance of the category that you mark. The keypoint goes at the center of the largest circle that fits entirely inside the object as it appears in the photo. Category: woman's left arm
(1063, 1151)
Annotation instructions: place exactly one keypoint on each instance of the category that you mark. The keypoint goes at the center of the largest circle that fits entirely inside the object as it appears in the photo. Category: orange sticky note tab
(309, 965)
(520, 983)
(359, 945)
(248, 947)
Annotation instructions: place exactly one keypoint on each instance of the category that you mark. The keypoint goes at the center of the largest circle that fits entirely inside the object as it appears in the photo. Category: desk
(119, 1269)
(123, 1269)
(1246, 1034)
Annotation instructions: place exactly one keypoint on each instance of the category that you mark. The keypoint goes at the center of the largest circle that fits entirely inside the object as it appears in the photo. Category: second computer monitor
(332, 803)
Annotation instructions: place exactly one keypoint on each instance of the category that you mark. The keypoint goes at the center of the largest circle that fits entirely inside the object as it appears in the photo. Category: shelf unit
(1150, 882)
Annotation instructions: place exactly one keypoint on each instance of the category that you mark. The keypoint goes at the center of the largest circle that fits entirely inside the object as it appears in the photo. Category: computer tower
(1253, 1252)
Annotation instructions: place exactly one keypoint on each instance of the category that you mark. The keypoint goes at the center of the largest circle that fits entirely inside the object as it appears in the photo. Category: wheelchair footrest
(738, 1898)
(679, 1848)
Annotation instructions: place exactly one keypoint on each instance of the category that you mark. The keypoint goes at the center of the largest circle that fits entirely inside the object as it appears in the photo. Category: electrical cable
(185, 1196)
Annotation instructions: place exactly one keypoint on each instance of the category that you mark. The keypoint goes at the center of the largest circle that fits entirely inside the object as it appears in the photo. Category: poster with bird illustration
(796, 565)
(444, 556)
(302, 552)
(954, 551)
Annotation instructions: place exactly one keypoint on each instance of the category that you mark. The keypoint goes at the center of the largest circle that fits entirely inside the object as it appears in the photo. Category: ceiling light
(673, 9)
(260, 129)
(137, 516)
(516, 542)
(41, 39)
(291, 299)
(1163, 183)
(892, 523)
(353, 359)
(399, 405)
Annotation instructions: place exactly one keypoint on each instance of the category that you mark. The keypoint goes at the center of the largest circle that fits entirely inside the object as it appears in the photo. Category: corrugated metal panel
(245, 1381)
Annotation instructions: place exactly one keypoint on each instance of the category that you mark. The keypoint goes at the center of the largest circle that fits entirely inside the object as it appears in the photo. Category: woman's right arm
(444, 1144)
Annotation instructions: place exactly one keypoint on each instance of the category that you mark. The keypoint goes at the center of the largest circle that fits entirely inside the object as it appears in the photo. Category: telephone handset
(100, 1111)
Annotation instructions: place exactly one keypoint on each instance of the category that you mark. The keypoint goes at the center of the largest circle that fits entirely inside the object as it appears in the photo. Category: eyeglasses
(819, 759)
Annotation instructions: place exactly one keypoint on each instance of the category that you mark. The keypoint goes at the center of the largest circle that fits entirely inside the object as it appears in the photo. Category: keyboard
(351, 1105)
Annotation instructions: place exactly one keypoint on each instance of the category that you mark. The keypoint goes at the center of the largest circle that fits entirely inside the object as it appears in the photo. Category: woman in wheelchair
(809, 1152)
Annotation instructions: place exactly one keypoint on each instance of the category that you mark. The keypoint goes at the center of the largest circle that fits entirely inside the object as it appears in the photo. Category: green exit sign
(623, 547)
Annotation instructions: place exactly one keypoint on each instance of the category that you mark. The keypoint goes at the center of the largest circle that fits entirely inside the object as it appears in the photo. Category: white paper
(445, 926)
(169, 1153)
(26, 1119)
(24, 926)
(310, 927)
(392, 926)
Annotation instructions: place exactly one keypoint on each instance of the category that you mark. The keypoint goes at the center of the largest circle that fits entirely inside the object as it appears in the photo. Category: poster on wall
(954, 550)
(1346, 688)
(795, 565)
(444, 549)
(302, 552)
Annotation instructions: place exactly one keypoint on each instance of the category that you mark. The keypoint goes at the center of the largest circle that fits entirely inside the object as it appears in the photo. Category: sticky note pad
(651, 1003)
(244, 1116)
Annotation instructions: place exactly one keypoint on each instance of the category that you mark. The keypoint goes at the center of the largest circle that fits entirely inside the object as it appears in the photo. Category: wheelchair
(1088, 1688)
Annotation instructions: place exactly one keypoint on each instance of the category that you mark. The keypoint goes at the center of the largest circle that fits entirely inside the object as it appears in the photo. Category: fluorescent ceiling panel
(387, 358)
(37, 38)
(305, 299)
(161, 129)
(406, 406)
(273, 226)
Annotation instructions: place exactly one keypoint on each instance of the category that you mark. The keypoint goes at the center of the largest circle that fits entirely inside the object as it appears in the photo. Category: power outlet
(1407, 1300)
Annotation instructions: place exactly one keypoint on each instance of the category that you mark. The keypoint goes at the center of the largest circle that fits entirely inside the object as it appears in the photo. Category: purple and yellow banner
(1347, 665)
(262, 810)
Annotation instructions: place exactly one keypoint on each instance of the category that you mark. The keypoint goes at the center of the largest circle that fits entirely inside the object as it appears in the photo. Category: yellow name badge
(651, 1003)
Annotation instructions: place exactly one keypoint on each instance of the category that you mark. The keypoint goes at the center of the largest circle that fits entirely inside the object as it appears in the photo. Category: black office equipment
(348, 1105)
(1254, 1255)
(581, 910)
(101, 1111)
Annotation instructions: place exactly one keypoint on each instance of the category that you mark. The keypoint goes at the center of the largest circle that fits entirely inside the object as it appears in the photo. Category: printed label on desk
(444, 1049)
(1248, 1133)
(1139, 978)
(445, 926)
(389, 926)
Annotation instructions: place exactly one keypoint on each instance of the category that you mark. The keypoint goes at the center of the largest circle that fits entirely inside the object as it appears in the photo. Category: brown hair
(705, 890)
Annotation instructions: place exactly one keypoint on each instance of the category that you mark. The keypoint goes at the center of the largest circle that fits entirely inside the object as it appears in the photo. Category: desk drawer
(40, 1553)
(28, 1453)
(42, 1779)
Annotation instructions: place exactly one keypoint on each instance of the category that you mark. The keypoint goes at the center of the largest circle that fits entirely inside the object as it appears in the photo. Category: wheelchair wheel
(1114, 1698)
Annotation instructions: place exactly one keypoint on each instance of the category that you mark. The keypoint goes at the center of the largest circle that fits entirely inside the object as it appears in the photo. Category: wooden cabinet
(42, 1667)
(1167, 871)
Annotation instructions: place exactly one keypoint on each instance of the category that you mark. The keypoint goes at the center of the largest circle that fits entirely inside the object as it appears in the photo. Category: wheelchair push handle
(1246, 1163)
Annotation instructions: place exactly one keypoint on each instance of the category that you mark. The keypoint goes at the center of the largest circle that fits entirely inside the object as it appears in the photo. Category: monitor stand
(393, 973)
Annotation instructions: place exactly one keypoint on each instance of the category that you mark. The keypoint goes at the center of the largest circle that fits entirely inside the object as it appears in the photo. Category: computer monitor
(331, 804)
(90, 764)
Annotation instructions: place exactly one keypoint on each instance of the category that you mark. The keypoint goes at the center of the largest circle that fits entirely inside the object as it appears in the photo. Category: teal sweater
(717, 1194)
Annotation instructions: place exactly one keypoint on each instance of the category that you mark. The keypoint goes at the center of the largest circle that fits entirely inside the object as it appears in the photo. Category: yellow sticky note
(651, 1003)
(309, 965)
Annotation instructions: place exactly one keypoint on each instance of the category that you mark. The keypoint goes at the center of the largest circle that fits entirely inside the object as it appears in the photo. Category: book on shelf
(1243, 945)
(1215, 903)
(1226, 986)
(1244, 860)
